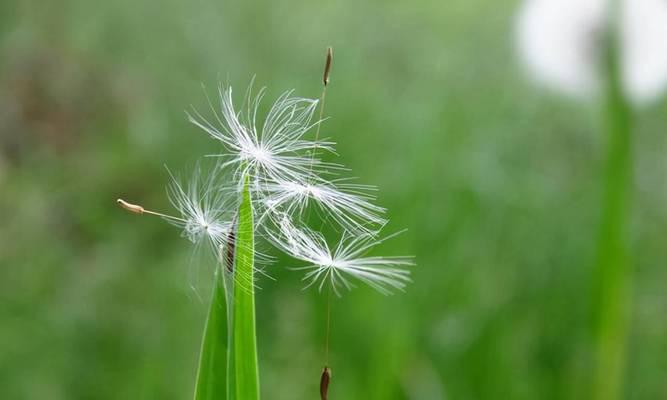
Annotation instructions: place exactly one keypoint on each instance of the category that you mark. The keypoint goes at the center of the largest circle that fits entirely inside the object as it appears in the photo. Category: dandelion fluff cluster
(286, 178)
(205, 209)
(274, 150)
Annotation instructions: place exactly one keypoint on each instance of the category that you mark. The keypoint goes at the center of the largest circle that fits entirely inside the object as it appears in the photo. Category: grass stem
(613, 271)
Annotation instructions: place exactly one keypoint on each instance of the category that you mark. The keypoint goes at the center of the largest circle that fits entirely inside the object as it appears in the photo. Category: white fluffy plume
(345, 262)
(274, 149)
(285, 178)
(347, 204)
(206, 207)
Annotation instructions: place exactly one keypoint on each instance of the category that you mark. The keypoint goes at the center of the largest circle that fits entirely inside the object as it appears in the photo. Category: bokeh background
(497, 181)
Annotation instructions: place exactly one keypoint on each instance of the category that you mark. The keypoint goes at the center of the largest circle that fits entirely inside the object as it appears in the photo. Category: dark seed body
(230, 247)
(327, 66)
(229, 254)
(324, 383)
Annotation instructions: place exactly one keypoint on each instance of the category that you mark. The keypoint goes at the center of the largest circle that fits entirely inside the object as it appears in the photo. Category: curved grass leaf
(244, 354)
(212, 376)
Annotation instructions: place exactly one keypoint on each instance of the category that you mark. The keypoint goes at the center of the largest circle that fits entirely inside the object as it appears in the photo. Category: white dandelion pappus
(348, 204)
(206, 207)
(276, 150)
(345, 262)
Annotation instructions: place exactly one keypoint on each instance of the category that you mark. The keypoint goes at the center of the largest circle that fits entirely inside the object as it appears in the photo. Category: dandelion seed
(347, 204)
(276, 149)
(346, 261)
(206, 208)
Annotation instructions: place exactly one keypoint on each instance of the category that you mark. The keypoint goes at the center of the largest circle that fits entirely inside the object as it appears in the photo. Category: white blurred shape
(645, 48)
(561, 43)
(555, 39)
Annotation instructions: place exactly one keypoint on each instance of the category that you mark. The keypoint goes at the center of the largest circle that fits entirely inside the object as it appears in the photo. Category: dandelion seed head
(200, 226)
(206, 207)
(258, 153)
(273, 154)
(274, 148)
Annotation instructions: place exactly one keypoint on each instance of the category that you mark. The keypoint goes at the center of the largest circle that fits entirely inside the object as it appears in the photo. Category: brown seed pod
(327, 66)
(229, 253)
(230, 249)
(324, 383)
(130, 207)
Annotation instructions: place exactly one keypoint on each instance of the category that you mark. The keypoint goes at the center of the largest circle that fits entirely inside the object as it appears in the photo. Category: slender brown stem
(317, 131)
(325, 378)
(322, 100)
(325, 81)
(328, 330)
(323, 97)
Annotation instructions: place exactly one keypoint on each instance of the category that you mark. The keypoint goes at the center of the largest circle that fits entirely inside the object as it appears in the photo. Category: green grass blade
(244, 355)
(212, 376)
(613, 274)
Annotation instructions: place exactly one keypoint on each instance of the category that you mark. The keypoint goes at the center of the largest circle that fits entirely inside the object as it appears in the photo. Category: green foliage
(212, 375)
(614, 269)
(226, 373)
(244, 355)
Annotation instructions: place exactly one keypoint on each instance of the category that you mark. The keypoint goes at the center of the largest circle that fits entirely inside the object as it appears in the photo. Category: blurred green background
(497, 181)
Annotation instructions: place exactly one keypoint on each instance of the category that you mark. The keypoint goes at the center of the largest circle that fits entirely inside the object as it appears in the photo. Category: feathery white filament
(205, 207)
(285, 178)
(348, 204)
(276, 150)
(346, 261)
